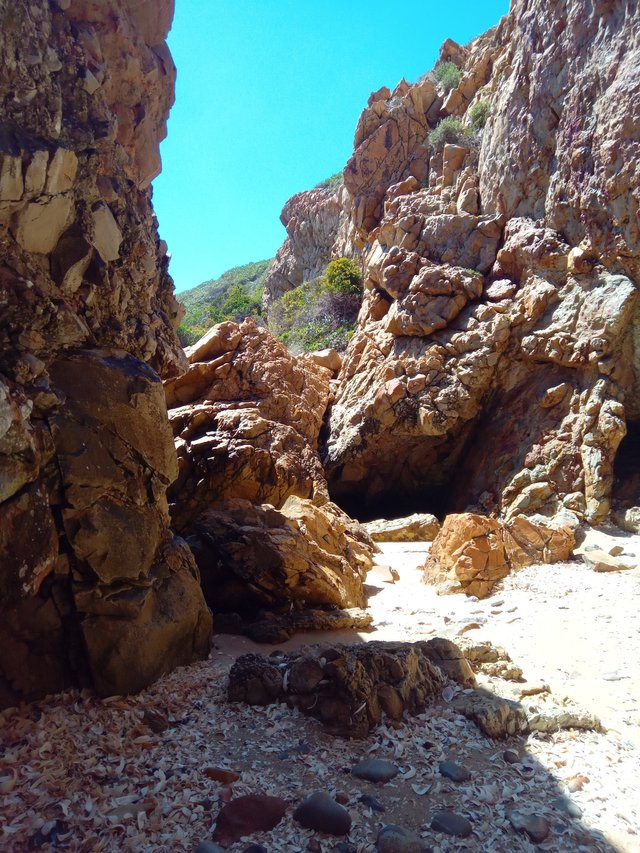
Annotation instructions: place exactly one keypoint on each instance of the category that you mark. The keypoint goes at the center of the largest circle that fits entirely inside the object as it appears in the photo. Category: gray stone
(321, 813)
(565, 804)
(371, 803)
(451, 824)
(454, 771)
(375, 770)
(397, 839)
(209, 847)
(535, 826)
(420, 527)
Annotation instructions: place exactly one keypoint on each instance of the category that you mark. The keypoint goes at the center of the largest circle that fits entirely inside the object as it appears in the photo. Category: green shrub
(478, 115)
(448, 75)
(332, 183)
(449, 131)
(319, 313)
(343, 276)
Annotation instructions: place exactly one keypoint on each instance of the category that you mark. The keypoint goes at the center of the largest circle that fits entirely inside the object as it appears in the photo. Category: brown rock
(358, 683)
(419, 527)
(248, 814)
(256, 556)
(235, 437)
(473, 552)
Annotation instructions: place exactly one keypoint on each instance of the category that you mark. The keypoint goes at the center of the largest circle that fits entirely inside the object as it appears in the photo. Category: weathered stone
(106, 236)
(346, 700)
(96, 591)
(419, 527)
(473, 552)
(375, 770)
(41, 223)
(535, 826)
(235, 437)
(322, 813)
(396, 839)
(451, 824)
(246, 815)
(251, 556)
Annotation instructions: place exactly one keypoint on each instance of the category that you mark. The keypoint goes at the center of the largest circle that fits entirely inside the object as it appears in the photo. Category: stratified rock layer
(495, 363)
(95, 588)
(246, 417)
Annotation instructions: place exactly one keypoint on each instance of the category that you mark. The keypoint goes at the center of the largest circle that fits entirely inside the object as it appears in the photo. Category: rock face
(346, 687)
(94, 587)
(473, 552)
(252, 557)
(495, 365)
(246, 416)
(312, 219)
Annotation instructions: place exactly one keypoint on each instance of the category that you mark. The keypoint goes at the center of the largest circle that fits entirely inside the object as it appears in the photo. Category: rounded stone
(397, 839)
(454, 771)
(451, 824)
(533, 825)
(321, 813)
(375, 770)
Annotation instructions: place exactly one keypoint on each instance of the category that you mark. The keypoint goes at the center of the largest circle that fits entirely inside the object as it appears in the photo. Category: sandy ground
(87, 774)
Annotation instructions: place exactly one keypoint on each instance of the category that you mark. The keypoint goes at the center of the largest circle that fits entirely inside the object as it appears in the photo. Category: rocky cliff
(95, 589)
(496, 360)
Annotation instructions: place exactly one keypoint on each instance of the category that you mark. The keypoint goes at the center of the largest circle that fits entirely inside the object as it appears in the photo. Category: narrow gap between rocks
(626, 485)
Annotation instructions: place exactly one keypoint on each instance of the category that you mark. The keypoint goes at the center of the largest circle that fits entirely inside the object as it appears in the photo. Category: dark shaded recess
(626, 471)
(394, 504)
(466, 470)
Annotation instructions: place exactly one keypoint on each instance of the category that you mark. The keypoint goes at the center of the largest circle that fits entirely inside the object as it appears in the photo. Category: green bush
(448, 75)
(319, 313)
(343, 276)
(449, 131)
(478, 115)
(332, 183)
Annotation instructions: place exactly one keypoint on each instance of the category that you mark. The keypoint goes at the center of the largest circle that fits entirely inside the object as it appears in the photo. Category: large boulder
(246, 417)
(252, 557)
(473, 552)
(95, 589)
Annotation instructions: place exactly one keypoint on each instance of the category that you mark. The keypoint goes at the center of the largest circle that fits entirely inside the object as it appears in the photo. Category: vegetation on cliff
(320, 313)
(236, 294)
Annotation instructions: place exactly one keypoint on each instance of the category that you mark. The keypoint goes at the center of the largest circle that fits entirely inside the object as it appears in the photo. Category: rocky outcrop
(246, 417)
(495, 363)
(312, 219)
(473, 552)
(253, 557)
(95, 588)
(348, 688)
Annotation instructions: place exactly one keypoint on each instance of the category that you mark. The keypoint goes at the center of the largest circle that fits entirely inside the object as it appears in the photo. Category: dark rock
(304, 675)
(345, 847)
(535, 826)
(565, 804)
(244, 815)
(347, 698)
(375, 770)
(371, 803)
(321, 813)
(454, 771)
(452, 824)
(255, 848)
(396, 839)
(510, 756)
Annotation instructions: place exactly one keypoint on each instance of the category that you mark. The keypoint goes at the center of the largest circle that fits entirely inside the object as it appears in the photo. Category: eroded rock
(347, 700)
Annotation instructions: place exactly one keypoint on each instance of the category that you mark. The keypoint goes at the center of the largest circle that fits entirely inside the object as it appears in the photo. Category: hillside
(236, 294)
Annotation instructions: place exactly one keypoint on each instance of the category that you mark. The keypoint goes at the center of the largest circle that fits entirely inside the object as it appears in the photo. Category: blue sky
(268, 97)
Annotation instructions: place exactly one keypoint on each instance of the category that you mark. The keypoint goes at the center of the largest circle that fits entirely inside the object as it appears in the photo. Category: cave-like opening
(626, 471)
(393, 503)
